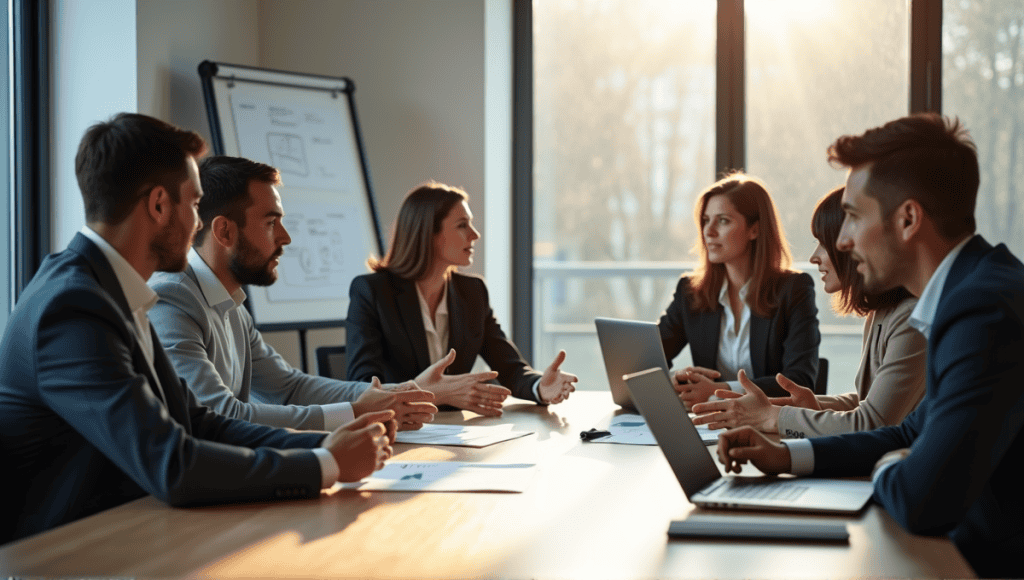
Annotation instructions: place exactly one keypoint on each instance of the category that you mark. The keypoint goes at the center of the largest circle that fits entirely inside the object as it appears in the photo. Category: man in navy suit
(93, 412)
(948, 468)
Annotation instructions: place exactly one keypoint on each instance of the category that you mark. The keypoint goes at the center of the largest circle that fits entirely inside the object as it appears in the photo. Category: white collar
(136, 292)
(442, 306)
(723, 296)
(216, 294)
(928, 303)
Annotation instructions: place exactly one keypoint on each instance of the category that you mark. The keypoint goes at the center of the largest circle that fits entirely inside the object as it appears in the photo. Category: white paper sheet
(448, 476)
(460, 435)
(631, 429)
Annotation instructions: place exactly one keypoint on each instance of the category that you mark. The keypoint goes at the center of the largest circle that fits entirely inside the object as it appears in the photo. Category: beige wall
(418, 67)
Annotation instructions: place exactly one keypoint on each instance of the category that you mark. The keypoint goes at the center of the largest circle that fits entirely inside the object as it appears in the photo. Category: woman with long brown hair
(416, 309)
(891, 379)
(743, 308)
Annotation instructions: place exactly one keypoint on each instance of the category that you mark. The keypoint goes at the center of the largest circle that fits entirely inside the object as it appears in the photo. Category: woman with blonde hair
(891, 379)
(743, 308)
(416, 309)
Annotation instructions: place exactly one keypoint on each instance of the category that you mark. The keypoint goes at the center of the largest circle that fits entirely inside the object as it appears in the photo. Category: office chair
(330, 362)
(821, 382)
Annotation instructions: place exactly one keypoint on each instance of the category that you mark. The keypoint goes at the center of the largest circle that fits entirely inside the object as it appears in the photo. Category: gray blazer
(220, 354)
(890, 382)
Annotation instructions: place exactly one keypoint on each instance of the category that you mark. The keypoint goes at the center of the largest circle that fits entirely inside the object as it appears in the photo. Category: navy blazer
(961, 476)
(385, 337)
(786, 342)
(87, 427)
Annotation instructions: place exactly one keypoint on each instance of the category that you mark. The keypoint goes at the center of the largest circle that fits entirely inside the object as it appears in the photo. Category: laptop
(698, 472)
(628, 346)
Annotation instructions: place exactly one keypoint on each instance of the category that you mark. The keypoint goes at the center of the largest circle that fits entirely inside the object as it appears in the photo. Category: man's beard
(248, 267)
(171, 248)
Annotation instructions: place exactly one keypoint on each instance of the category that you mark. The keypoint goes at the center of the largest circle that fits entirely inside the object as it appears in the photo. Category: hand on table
(362, 446)
(555, 386)
(696, 385)
(736, 410)
(412, 406)
(737, 446)
(469, 391)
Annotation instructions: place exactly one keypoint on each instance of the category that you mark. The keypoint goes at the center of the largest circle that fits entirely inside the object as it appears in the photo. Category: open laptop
(698, 473)
(628, 346)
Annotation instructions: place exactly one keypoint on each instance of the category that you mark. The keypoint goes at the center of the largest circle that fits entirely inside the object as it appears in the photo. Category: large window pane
(816, 70)
(983, 84)
(624, 120)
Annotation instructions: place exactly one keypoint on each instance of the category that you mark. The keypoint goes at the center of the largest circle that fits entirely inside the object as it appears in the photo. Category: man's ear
(159, 205)
(224, 231)
(908, 219)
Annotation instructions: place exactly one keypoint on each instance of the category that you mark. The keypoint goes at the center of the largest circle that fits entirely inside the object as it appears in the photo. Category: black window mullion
(925, 56)
(522, 177)
(730, 112)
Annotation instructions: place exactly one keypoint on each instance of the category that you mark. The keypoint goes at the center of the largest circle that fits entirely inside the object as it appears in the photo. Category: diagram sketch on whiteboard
(327, 249)
(287, 154)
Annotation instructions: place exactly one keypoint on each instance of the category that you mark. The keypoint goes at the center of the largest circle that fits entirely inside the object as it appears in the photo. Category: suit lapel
(707, 342)
(758, 344)
(965, 263)
(408, 304)
(457, 337)
(106, 277)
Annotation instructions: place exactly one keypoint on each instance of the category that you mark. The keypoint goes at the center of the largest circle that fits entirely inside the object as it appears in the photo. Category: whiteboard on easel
(306, 127)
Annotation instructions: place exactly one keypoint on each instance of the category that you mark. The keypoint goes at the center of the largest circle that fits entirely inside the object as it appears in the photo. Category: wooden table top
(593, 511)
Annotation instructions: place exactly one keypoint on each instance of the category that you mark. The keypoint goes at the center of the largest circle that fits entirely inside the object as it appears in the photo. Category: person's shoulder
(894, 315)
(796, 279)
(65, 279)
(172, 283)
(471, 280)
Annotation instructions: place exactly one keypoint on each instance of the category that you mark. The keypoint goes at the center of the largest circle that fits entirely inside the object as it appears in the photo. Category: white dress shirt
(436, 326)
(733, 343)
(801, 451)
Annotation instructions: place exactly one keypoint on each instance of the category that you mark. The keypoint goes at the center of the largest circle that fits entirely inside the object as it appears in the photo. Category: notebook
(698, 472)
(628, 346)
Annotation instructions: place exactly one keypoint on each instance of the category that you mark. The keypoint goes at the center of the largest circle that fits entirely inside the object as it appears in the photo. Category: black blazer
(87, 427)
(786, 342)
(385, 337)
(961, 476)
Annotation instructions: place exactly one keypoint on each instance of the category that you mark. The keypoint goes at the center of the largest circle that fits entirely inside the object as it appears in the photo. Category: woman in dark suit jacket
(743, 308)
(416, 307)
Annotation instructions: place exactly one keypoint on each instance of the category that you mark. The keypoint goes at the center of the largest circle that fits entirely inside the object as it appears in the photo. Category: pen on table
(593, 434)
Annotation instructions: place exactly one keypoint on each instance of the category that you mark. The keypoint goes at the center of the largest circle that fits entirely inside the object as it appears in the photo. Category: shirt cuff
(329, 471)
(880, 470)
(801, 456)
(536, 392)
(337, 414)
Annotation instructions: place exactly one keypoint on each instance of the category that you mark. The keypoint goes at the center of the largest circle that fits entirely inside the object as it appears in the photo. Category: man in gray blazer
(93, 413)
(211, 339)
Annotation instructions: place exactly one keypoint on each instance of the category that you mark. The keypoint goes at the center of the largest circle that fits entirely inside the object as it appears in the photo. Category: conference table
(592, 511)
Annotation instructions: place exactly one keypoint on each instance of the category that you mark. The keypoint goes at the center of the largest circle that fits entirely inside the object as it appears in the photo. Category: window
(983, 84)
(638, 105)
(5, 187)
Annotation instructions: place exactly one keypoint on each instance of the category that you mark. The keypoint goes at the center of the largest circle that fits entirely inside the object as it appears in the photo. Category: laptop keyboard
(776, 490)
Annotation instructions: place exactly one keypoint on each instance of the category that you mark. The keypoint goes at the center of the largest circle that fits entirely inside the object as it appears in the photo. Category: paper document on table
(460, 435)
(629, 429)
(448, 476)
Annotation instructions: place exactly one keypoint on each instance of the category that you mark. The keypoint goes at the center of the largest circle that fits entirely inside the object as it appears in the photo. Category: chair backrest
(330, 362)
(821, 382)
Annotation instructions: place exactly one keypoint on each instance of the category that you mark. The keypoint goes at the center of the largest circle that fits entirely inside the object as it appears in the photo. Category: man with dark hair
(93, 413)
(211, 339)
(948, 467)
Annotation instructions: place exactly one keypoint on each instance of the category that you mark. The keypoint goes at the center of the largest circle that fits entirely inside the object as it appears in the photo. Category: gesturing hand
(555, 386)
(798, 396)
(735, 410)
(470, 391)
(696, 385)
(737, 446)
(412, 406)
(362, 446)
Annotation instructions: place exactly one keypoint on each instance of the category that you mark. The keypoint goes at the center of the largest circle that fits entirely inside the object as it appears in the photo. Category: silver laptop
(698, 472)
(628, 346)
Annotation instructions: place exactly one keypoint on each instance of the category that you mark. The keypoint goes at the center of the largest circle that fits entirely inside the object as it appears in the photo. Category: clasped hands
(474, 392)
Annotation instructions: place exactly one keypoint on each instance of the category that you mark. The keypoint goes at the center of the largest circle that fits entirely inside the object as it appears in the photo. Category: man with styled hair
(93, 412)
(211, 339)
(949, 467)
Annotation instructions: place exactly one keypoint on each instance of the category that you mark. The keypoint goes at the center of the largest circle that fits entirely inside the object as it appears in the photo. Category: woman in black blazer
(743, 288)
(397, 315)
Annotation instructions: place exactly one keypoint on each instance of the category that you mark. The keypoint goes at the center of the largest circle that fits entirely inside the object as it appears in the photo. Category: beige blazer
(890, 382)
